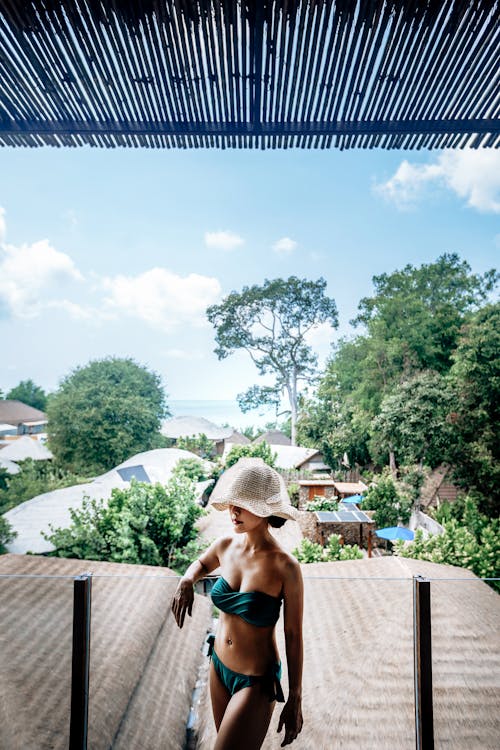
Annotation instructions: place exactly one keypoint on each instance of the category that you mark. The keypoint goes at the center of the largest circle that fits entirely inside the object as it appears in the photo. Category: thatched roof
(237, 438)
(10, 466)
(15, 412)
(23, 448)
(142, 667)
(186, 427)
(350, 488)
(358, 661)
(273, 437)
(33, 517)
(275, 74)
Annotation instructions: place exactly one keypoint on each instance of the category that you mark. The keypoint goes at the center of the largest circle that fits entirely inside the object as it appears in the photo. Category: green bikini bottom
(234, 681)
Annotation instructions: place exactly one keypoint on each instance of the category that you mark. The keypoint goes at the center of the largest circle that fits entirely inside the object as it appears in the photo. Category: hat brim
(289, 513)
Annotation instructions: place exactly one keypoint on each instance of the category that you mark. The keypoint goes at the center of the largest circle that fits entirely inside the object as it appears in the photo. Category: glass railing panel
(143, 668)
(36, 615)
(465, 618)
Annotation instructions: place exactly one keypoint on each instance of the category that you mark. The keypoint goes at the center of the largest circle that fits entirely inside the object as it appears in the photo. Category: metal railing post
(82, 590)
(422, 645)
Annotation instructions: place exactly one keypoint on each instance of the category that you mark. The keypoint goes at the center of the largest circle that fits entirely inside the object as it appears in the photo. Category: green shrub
(7, 534)
(35, 478)
(143, 524)
(253, 450)
(293, 494)
(391, 505)
(311, 552)
(322, 503)
(191, 468)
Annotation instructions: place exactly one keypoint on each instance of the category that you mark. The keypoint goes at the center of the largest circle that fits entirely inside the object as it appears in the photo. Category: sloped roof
(274, 74)
(358, 682)
(273, 437)
(15, 412)
(292, 456)
(350, 488)
(237, 438)
(33, 517)
(178, 427)
(25, 447)
(143, 669)
(10, 466)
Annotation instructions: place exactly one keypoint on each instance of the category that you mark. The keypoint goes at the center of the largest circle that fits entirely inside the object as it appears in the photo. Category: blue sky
(118, 252)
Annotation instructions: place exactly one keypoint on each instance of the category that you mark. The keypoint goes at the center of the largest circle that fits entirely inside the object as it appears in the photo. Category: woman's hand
(183, 600)
(291, 719)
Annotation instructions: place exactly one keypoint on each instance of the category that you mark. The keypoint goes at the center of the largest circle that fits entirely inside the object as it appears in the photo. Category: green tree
(413, 425)
(199, 444)
(390, 503)
(192, 468)
(7, 534)
(252, 450)
(103, 413)
(29, 393)
(143, 524)
(271, 322)
(475, 453)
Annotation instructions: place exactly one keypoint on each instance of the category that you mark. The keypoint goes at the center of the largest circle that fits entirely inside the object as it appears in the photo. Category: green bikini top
(254, 607)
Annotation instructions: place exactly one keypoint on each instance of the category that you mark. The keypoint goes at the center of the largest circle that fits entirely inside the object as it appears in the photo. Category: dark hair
(276, 521)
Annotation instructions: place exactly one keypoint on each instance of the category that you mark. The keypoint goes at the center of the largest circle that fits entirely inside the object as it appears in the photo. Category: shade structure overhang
(234, 73)
(395, 532)
(353, 499)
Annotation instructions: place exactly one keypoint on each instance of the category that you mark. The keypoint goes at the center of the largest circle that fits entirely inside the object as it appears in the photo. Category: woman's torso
(242, 646)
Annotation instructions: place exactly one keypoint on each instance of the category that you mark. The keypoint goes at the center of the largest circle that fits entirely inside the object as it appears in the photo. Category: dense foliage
(470, 540)
(35, 478)
(144, 524)
(192, 468)
(199, 444)
(103, 413)
(7, 534)
(252, 450)
(311, 552)
(29, 393)
(322, 503)
(271, 322)
(391, 504)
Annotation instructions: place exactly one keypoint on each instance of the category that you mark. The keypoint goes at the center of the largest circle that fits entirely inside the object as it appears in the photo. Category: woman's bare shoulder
(288, 564)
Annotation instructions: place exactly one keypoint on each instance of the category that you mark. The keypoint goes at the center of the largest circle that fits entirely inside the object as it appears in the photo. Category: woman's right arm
(184, 594)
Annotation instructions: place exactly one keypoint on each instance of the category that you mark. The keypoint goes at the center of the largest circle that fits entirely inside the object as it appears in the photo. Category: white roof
(188, 426)
(287, 456)
(33, 517)
(24, 447)
(10, 466)
(291, 456)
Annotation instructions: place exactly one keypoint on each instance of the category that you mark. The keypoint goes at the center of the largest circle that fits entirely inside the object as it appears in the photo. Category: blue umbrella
(353, 499)
(395, 532)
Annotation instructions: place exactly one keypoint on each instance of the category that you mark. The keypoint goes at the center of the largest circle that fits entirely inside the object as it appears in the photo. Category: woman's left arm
(293, 595)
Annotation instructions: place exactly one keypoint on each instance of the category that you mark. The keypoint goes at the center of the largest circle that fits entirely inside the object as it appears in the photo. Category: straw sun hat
(251, 484)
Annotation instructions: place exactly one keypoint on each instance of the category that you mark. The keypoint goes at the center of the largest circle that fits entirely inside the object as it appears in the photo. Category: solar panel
(134, 472)
(342, 516)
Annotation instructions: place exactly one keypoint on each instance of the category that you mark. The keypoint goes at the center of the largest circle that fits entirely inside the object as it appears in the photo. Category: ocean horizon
(222, 412)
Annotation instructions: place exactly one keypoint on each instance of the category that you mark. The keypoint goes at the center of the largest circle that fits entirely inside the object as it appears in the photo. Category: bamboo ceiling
(236, 73)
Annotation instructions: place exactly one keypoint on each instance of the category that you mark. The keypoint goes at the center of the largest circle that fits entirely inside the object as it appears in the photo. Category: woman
(256, 576)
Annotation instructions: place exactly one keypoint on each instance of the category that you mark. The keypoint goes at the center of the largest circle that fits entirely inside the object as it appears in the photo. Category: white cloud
(223, 240)
(284, 246)
(75, 311)
(162, 298)
(473, 175)
(29, 271)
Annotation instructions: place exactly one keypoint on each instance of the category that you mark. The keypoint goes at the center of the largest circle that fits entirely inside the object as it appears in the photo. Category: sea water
(222, 412)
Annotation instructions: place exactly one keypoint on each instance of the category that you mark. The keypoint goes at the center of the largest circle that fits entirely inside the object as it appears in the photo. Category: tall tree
(105, 412)
(411, 324)
(414, 424)
(476, 377)
(29, 393)
(271, 322)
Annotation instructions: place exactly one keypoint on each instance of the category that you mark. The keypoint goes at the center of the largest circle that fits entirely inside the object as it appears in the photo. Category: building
(26, 419)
